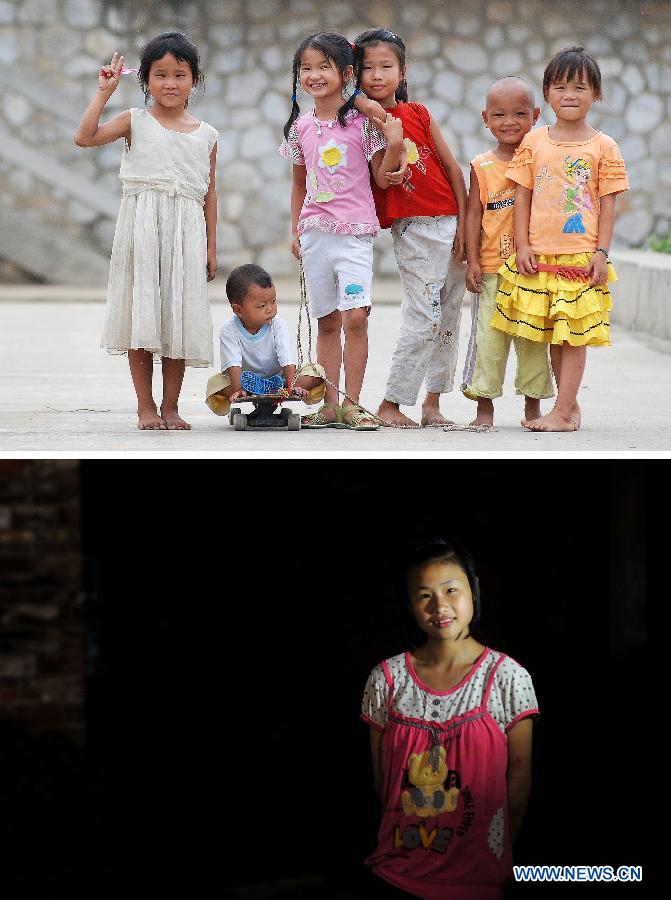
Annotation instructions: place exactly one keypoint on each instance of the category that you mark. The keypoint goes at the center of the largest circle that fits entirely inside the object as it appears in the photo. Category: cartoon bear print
(427, 772)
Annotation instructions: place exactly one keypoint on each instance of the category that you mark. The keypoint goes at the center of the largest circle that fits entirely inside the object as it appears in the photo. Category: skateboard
(264, 414)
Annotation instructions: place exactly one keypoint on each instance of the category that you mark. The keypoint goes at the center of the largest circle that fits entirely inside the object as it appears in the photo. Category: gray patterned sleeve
(375, 699)
(290, 148)
(372, 140)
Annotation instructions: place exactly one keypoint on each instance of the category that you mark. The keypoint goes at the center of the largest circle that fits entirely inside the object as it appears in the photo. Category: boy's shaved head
(511, 83)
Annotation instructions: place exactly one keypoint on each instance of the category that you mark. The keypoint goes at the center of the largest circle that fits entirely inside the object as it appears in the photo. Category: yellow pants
(488, 351)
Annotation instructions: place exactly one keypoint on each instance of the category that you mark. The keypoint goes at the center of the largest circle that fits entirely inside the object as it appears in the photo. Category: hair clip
(353, 46)
(357, 91)
(129, 71)
(294, 98)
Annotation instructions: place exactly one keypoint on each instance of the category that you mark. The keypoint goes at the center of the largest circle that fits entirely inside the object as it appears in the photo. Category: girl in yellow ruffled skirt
(555, 287)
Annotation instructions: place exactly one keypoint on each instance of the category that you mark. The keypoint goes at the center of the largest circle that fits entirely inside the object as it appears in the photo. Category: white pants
(338, 270)
(434, 286)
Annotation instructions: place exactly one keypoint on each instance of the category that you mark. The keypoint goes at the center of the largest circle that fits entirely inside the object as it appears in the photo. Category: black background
(237, 606)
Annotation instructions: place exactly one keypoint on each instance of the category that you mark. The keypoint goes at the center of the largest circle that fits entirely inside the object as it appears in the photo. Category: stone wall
(50, 51)
(41, 600)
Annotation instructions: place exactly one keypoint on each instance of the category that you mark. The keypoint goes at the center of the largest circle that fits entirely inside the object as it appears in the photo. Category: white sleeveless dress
(157, 290)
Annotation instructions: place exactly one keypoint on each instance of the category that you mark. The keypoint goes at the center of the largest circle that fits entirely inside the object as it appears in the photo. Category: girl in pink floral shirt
(333, 218)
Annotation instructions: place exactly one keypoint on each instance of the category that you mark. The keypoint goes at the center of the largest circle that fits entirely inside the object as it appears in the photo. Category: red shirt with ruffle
(426, 190)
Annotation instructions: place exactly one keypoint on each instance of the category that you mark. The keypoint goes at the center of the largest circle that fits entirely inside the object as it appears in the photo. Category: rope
(301, 359)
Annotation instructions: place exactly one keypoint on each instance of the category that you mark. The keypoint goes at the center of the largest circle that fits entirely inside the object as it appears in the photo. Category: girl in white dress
(164, 246)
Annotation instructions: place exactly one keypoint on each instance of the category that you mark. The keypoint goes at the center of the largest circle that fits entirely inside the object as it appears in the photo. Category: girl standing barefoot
(426, 211)
(164, 248)
(555, 288)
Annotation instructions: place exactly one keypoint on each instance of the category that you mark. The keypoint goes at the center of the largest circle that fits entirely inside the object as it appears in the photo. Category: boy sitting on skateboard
(256, 353)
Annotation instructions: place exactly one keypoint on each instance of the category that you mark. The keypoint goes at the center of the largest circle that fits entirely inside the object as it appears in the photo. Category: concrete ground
(60, 393)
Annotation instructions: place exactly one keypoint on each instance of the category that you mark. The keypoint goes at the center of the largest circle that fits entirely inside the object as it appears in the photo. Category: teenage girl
(333, 220)
(451, 732)
(164, 248)
(427, 215)
(555, 288)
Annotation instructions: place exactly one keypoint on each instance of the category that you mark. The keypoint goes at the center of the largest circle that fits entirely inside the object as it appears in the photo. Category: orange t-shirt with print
(567, 180)
(497, 195)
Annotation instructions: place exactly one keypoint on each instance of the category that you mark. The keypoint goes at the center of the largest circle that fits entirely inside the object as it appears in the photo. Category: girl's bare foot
(532, 410)
(173, 420)
(392, 415)
(431, 414)
(553, 421)
(434, 417)
(485, 415)
(148, 419)
(577, 418)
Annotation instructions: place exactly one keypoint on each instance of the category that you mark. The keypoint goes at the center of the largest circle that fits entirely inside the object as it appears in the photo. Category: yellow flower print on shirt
(332, 155)
(416, 155)
(411, 150)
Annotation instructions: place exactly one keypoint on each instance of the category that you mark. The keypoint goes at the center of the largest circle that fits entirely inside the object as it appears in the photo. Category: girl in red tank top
(451, 743)
(426, 212)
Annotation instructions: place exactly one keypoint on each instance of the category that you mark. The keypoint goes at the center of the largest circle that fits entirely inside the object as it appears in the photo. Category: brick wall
(41, 597)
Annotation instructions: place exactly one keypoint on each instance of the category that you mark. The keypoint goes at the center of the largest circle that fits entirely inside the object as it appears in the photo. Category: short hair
(182, 48)
(569, 62)
(240, 280)
(436, 548)
(507, 79)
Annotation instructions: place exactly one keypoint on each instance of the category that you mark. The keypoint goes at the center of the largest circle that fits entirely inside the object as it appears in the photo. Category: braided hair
(337, 50)
(372, 38)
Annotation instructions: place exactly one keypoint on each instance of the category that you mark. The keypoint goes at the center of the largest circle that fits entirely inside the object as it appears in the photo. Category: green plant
(661, 244)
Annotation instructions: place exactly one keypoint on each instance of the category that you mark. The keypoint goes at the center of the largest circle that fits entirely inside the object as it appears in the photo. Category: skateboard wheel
(240, 422)
(234, 411)
(294, 422)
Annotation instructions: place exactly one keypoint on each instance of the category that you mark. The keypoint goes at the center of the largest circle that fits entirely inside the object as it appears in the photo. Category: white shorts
(338, 270)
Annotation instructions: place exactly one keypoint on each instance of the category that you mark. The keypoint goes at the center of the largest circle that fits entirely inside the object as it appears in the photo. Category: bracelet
(602, 250)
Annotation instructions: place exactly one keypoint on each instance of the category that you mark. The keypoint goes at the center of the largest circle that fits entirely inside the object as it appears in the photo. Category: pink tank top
(444, 833)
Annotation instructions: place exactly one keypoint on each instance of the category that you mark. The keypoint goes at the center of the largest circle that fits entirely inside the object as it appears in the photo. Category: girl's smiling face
(170, 81)
(441, 599)
(319, 76)
(571, 99)
(381, 74)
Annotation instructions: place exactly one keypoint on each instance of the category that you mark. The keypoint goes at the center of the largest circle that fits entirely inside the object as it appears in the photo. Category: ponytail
(357, 63)
(334, 47)
(295, 109)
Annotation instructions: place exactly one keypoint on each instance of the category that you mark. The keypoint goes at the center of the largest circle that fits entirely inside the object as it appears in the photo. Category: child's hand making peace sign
(109, 76)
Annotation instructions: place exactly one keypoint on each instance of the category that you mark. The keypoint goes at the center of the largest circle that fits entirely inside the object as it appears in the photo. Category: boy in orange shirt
(510, 114)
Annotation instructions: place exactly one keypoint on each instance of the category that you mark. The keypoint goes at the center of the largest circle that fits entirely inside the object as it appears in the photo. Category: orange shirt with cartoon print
(567, 179)
(497, 196)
